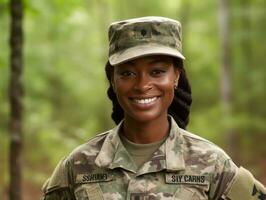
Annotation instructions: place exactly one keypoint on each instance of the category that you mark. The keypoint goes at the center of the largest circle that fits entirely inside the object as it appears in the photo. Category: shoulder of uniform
(208, 156)
(58, 179)
(246, 186)
(203, 145)
(92, 146)
(193, 136)
(60, 176)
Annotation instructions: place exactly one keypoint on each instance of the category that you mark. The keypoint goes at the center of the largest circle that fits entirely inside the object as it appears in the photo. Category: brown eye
(127, 73)
(158, 72)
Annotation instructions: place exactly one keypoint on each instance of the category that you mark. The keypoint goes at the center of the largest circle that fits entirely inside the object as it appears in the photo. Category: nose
(142, 84)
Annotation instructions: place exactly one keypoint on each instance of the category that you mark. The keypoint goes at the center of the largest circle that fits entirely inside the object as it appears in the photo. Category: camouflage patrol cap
(133, 38)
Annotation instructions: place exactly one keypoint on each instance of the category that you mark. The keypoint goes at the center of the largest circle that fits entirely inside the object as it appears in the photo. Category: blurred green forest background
(65, 100)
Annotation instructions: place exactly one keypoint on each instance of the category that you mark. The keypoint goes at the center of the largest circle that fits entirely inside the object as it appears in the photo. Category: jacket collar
(168, 157)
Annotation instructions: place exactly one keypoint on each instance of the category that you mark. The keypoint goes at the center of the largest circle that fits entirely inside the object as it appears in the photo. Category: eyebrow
(158, 60)
(152, 61)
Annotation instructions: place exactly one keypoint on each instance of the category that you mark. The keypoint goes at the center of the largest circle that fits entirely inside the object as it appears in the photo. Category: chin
(144, 117)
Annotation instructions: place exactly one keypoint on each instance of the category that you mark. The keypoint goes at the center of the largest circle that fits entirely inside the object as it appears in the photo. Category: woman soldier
(149, 155)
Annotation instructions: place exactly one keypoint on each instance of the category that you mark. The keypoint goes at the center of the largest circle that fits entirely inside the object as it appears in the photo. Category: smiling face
(145, 87)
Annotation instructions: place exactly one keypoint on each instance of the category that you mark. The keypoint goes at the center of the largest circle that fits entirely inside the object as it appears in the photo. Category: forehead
(150, 60)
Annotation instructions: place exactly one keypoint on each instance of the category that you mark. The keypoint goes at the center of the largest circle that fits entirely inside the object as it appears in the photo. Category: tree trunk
(246, 28)
(226, 79)
(15, 98)
(225, 54)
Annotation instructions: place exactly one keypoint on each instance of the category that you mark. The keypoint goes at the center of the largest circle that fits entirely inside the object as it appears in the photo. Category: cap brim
(143, 50)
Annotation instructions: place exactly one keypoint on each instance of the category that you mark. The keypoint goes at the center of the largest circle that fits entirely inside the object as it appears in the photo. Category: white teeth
(145, 101)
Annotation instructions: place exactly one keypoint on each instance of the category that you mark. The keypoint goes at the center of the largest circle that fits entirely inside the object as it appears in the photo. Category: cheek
(167, 84)
(122, 89)
(167, 87)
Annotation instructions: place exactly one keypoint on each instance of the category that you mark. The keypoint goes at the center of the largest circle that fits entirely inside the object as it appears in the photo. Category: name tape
(92, 178)
(186, 179)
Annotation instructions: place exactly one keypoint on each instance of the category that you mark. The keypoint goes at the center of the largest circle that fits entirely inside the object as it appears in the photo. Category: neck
(145, 132)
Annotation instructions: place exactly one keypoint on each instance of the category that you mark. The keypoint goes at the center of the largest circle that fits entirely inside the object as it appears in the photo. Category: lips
(144, 101)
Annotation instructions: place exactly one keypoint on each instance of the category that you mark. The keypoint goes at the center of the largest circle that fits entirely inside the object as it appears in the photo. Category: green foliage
(65, 51)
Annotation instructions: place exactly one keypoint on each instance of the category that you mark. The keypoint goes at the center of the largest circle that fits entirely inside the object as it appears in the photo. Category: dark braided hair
(179, 108)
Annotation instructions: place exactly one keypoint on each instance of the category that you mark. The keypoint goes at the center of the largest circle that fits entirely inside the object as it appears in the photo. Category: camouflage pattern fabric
(129, 39)
(184, 167)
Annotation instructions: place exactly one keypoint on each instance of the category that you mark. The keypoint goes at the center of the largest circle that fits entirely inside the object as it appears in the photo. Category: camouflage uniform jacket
(186, 167)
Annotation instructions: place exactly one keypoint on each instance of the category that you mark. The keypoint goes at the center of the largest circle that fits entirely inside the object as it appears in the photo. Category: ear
(177, 75)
